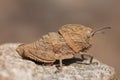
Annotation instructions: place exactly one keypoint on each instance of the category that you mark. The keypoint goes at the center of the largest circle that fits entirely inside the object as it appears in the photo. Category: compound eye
(88, 35)
(88, 32)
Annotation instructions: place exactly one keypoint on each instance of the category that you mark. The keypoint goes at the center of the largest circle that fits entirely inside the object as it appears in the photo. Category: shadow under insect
(66, 62)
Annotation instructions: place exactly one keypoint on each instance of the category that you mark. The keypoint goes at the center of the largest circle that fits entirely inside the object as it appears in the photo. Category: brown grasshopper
(70, 40)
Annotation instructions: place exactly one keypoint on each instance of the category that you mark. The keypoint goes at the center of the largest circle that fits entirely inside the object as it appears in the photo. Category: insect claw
(58, 70)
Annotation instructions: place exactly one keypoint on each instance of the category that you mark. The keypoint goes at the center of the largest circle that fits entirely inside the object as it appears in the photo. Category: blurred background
(27, 20)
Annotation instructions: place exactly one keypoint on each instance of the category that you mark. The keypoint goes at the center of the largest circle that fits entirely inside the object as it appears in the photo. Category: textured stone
(14, 67)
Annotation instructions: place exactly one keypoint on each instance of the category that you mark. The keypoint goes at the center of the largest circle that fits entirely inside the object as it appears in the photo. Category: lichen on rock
(14, 67)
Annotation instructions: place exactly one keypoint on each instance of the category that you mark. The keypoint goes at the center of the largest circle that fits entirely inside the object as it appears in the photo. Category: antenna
(100, 30)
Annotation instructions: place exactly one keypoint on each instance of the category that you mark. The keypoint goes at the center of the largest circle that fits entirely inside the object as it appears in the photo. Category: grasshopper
(68, 41)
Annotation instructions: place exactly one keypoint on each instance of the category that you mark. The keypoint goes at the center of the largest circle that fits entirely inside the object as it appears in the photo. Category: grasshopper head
(76, 36)
(87, 38)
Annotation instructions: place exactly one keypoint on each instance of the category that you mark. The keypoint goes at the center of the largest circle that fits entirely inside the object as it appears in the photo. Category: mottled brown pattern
(71, 39)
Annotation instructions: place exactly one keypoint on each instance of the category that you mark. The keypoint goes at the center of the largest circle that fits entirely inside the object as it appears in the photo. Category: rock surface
(14, 67)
